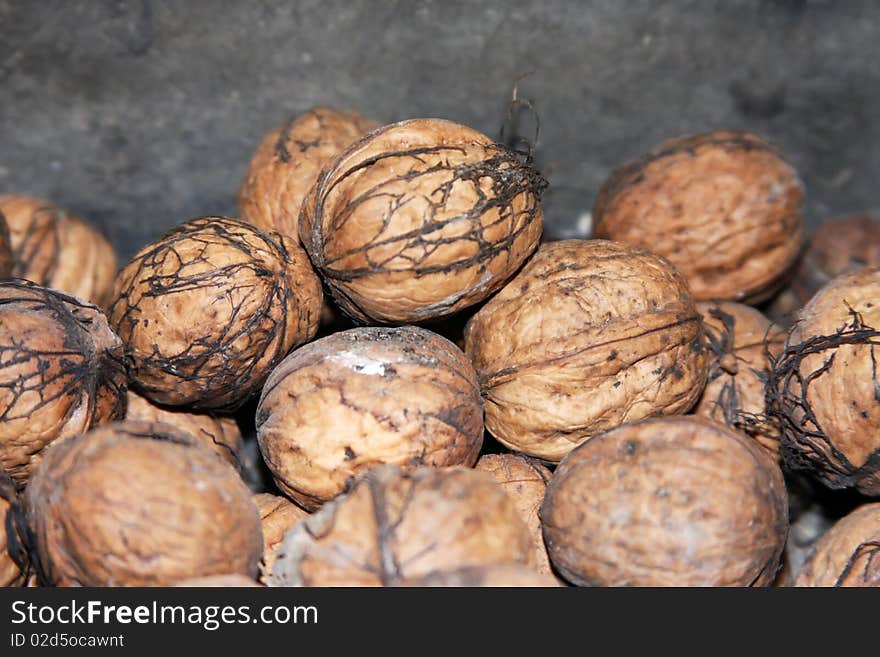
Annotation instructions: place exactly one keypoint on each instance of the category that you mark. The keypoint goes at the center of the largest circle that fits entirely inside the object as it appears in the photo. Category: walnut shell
(823, 388)
(277, 514)
(419, 220)
(724, 207)
(10, 573)
(210, 308)
(493, 575)
(287, 163)
(740, 340)
(839, 246)
(7, 260)
(395, 525)
(362, 397)
(219, 581)
(680, 501)
(847, 555)
(589, 335)
(217, 432)
(140, 504)
(58, 250)
(525, 480)
(62, 371)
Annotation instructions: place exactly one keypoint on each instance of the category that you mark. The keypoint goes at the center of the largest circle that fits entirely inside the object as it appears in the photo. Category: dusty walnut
(62, 372)
(506, 575)
(680, 501)
(823, 387)
(421, 219)
(741, 341)
(525, 480)
(724, 207)
(140, 504)
(287, 162)
(589, 335)
(218, 432)
(209, 309)
(848, 554)
(395, 525)
(277, 514)
(58, 250)
(365, 396)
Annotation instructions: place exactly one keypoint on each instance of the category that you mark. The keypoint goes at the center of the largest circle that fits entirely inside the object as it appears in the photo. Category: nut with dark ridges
(419, 220)
(209, 309)
(362, 397)
(678, 501)
(589, 335)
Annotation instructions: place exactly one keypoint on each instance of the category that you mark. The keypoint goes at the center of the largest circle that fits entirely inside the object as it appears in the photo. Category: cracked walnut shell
(724, 207)
(823, 387)
(217, 432)
(680, 501)
(62, 372)
(396, 525)
(287, 162)
(140, 504)
(589, 335)
(362, 397)
(58, 250)
(848, 554)
(740, 340)
(419, 220)
(209, 309)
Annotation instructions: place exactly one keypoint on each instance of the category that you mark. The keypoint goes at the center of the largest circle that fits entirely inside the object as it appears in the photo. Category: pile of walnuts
(484, 410)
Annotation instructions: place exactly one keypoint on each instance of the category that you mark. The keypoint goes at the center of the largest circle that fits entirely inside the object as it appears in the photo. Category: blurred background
(140, 114)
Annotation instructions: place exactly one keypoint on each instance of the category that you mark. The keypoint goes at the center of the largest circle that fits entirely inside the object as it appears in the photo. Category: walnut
(58, 250)
(396, 525)
(724, 207)
(7, 260)
(365, 396)
(218, 432)
(62, 371)
(525, 480)
(493, 575)
(589, 335)
(287, 163)
(140, 504)
(848, 554)
(277, 515)
(823, 387)
(419, 220)
(680, 501)
(218, 581)
(209, 309)
(10, 572)
(741, 341)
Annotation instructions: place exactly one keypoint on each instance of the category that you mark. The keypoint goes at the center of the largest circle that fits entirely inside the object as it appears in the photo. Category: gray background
(142, 114)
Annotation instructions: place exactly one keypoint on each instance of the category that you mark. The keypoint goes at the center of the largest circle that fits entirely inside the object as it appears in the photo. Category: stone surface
(142, 114)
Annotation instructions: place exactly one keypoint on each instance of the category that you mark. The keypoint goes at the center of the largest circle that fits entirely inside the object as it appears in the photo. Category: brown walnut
(589, 335)
(823, 389)
(366, 396)
(7, 260)
(741, 341)
(218, 432)
(210, 308)
(396, 525)
(421, 219)
(58, 250)
(62, 371)
(724, 207)
(848, 554)
(287, 162)
(10, 572)
(494, 575)
(525, 480)
(680, 501)
(140, 504)
(277, 514)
